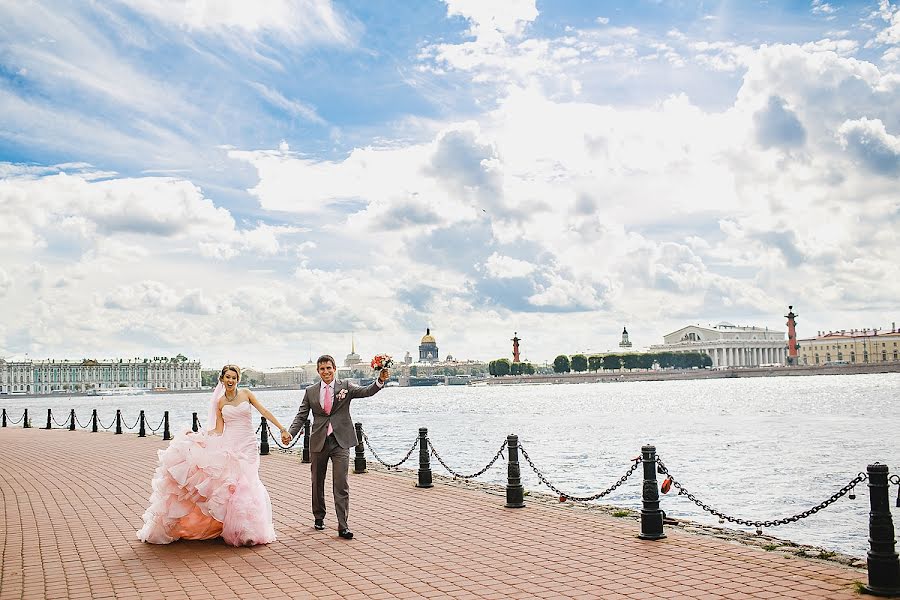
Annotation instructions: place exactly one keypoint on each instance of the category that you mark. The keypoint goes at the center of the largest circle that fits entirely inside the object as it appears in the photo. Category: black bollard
(49, 422)
(166, 434)
(4, 417)
(195, 423)
(142, 431)
(882, 560)
(94, 421)
(305, 456)
(118, 422)
(263, 437)
(651, 515)
(72, 420)
(424, 460)
(26, 423)
(515, 493)
(359, 461)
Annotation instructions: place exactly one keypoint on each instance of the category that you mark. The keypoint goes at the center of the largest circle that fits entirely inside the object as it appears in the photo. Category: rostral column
(515, 340)
(792, 336)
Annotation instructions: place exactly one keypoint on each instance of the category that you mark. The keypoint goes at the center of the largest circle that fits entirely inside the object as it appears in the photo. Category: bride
(207, 483)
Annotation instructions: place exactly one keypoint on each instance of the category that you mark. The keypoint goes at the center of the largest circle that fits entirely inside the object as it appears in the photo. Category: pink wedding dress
(208, 486)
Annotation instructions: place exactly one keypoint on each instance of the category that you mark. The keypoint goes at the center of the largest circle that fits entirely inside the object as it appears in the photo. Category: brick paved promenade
(72, 501)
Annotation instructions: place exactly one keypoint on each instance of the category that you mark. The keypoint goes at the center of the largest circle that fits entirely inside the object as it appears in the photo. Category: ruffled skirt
(207, 486)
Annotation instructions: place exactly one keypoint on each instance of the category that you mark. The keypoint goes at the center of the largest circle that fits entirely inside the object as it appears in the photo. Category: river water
(756, 448)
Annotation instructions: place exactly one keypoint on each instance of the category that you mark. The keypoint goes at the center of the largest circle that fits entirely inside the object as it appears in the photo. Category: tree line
(613, 362)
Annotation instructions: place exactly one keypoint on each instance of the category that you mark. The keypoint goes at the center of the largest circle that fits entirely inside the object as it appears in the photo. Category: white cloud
(503, 267)
(303, 20)
(292, 107)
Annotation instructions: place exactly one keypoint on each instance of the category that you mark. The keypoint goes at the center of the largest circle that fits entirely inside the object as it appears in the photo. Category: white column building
(729, 345)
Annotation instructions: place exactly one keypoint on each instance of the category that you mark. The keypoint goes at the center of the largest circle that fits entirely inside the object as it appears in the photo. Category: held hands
(384, 375)
(285, 437)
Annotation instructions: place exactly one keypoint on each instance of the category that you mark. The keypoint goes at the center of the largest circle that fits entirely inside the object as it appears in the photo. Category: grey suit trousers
(340, 465)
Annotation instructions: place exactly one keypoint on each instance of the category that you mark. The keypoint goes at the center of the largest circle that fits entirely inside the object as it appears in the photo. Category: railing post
(94, 421)
(263, 437)
(25, 422)
(4, 417)
(118, 422)
(49, 422)
(72, 420)
(305, 455)
(166, 434)
(651, 515)
(195, 423)
(424, 480)
(359, 461)
(515, 493)
(881, 559)
(142, 431)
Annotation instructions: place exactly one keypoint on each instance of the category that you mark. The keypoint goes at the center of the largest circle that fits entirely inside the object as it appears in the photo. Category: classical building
(428, 349)
(352, 359)
(46, 376)
(625, 344)
(853, 346)
(728, 345)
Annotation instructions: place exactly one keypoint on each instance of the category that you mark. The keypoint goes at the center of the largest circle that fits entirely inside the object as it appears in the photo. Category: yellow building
(850, 346)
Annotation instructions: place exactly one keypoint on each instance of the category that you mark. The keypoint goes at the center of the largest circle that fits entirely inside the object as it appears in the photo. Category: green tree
(595, 362)
(515, 368)
(561, 364)
(414, 371)
(612, 362)
(646, 360)
(503, 367)
(492, 368)
(631, 361)
(528, 368)
(579, 363)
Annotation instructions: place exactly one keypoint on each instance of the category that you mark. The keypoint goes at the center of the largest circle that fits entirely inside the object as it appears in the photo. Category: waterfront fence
(882, 559)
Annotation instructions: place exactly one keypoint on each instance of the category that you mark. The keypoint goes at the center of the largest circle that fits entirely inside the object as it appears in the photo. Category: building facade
(428, 349)
(728, 345)
(853, 346)
(60, 376)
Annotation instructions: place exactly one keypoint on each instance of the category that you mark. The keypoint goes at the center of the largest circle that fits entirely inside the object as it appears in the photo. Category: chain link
(277, 443)
(102, 426)
(435, 454)
(11, 422)
(545, 481)
(136, 421)
(895, 479)
(64, 423)
(78, 421)
(378, 458)
(759, 524)
(258, 427)
(161, 421)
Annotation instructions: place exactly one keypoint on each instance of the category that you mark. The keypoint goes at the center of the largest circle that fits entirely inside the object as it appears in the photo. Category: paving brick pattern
(70, 503)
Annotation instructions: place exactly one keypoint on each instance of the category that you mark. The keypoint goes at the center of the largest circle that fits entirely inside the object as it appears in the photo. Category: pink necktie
(327, 406)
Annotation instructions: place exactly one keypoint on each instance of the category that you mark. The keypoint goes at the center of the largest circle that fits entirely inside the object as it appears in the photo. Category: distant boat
(120, 391)
(392, 384)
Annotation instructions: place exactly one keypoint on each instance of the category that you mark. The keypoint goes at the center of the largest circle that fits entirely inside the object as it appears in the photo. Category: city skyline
(253, 183)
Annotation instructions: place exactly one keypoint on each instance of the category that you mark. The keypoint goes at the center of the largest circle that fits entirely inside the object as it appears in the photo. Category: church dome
(428, 338)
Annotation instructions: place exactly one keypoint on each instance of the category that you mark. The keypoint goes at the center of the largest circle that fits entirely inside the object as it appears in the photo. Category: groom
(332, 437)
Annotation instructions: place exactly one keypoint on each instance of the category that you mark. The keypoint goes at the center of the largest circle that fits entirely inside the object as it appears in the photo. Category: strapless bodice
(239, 428)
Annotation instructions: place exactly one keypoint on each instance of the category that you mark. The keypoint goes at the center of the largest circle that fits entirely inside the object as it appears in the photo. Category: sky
(261, 182)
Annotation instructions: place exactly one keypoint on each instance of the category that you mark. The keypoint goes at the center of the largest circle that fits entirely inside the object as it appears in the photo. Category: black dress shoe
(319, 525)
(346, 534)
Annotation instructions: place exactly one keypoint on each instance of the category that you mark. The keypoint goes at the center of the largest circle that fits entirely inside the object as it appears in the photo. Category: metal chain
(543, 479)
(64, 423)
(759, 524)
(378, 458)
(9, 419)
(161, 421)
(435, 454)
(102, 426)
(79, 422)
(895, 479)
(136, 421)
(259, 427)
(277, 443)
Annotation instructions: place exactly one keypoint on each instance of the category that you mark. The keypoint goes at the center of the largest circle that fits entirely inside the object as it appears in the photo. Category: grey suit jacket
(340, 418)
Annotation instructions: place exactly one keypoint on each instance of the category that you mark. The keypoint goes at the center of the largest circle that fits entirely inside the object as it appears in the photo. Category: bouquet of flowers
(381, 362)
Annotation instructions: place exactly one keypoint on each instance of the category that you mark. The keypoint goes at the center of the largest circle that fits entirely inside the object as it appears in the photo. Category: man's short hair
(325, 358)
